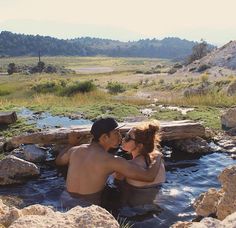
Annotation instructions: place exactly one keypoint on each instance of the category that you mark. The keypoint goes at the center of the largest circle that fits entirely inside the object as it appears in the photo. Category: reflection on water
(46, 120)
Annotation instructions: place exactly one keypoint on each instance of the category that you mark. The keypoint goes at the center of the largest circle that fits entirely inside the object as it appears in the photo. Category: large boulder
(43, 216)
(228, 119)
(192, 145)
(222, 202)
(15, 170)
(227, 204)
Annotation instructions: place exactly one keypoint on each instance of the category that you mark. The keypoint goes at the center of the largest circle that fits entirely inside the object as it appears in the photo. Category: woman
(142, 142)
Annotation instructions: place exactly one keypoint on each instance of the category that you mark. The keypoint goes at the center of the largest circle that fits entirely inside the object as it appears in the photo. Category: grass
(214, 99)
(17, 128)
(16, 90)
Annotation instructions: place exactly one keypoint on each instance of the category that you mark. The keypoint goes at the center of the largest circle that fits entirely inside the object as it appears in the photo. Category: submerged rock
(15, 170)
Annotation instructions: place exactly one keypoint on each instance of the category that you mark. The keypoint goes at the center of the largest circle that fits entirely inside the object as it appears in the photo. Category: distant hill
(29, 45)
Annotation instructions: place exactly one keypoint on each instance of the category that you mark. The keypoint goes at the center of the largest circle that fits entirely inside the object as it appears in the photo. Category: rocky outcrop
(207, 202)
(43, 216)
(223, 202)
(228, 119)
(227, 203)
(192, 145)
(15, 170)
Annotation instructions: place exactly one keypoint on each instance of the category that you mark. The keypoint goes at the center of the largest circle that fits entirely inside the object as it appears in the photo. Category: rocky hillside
(219, 61)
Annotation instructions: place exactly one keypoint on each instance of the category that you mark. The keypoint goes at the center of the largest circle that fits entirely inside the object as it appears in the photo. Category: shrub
(205, 78)
(172, 71)
(45, 87)
(79, 87)
(115, 87)
(178, 66)
(11, 68)
(161, 81)
(203, 67)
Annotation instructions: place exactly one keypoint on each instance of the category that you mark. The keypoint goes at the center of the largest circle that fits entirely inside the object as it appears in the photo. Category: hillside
(29, 45)
(220, 61)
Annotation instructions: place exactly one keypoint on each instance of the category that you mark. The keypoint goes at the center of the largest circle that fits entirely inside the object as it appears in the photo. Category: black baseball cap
(103, 126)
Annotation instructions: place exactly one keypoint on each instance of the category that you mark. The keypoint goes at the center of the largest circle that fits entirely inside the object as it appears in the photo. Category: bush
(172, 71)
(205, 78)
(203, 67)
(79, 87)
(115, 87)
(46, 87)
(11, 68)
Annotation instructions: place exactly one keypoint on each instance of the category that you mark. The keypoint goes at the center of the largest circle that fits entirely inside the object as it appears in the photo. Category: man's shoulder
(81, 147)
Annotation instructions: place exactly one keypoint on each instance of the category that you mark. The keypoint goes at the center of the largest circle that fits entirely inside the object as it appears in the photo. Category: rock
(13, 213)
(193, 145)
(8, 117)
(41, 216)
(34, 154)
(222, 202)
(207, 202)
(30, 153)
(226, 142)
(181, 225)
(209, 133)
(227, 204)
(15, 170)
(231, 90)
(228, 119)
(232, 131)
(228, 222)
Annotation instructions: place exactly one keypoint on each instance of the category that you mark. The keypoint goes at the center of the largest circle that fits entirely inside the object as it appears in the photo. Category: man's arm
(64, 156)
(133, 171)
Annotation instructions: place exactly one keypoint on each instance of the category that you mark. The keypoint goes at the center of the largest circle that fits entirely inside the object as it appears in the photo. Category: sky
(125, 20)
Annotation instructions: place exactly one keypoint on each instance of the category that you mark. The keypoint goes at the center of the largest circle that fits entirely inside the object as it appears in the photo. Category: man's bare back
(87, 172)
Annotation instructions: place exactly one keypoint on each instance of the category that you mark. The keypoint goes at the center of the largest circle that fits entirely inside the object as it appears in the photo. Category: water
(46, 120)
(186, 179)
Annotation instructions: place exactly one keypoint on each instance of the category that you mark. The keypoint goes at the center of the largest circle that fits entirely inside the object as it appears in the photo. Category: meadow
(130, 85)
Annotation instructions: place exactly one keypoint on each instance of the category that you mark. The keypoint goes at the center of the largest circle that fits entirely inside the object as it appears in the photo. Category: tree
(199, 50)
(11, 68)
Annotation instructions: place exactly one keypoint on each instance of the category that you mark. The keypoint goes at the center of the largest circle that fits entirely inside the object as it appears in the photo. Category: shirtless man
(91, 164)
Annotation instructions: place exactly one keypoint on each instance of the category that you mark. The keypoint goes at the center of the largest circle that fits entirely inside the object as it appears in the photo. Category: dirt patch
(94, 70)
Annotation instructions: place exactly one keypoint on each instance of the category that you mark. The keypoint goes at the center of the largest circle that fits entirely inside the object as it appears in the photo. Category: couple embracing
(89, 165)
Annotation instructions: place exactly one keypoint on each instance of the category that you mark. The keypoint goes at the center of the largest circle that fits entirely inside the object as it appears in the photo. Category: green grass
(167, 115)
(208, 116)
(18, 128)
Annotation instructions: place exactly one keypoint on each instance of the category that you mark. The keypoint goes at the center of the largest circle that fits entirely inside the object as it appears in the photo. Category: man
(91, 164)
